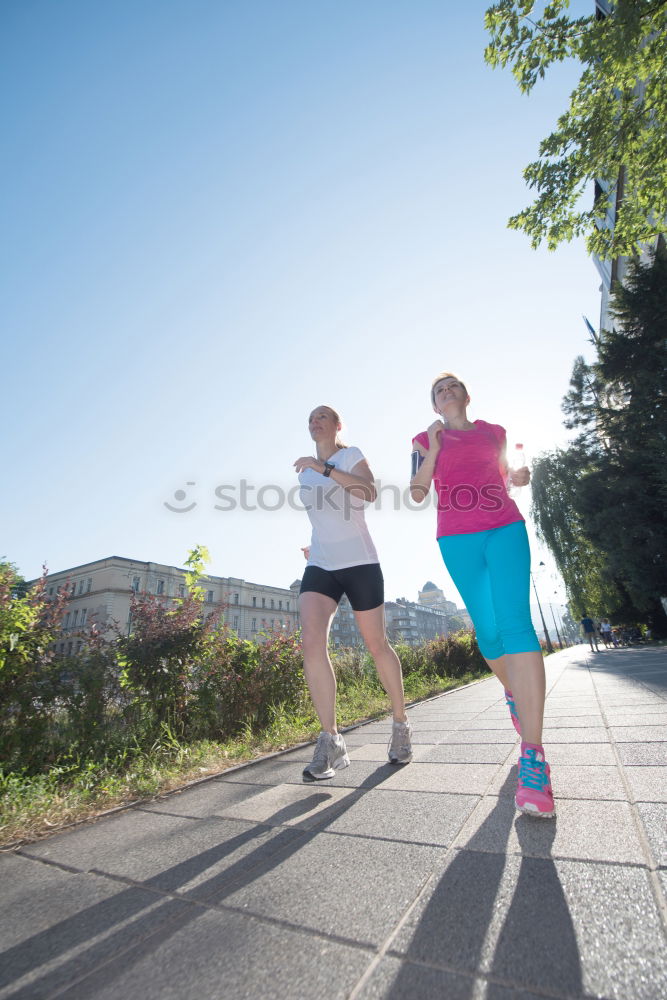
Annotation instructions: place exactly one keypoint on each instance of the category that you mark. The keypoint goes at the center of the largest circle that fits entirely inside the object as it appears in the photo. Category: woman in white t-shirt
(336, 484)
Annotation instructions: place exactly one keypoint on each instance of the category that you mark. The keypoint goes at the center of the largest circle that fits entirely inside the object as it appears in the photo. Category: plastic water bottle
(519, 460)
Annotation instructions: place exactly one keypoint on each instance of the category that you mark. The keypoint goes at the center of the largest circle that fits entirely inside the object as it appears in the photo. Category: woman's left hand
(309, 462)
(520, 477)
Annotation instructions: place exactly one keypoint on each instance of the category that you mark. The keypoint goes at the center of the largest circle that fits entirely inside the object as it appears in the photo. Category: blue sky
(217, 215)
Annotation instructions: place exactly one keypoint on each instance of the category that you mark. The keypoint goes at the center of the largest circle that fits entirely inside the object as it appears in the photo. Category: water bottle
(518, 461)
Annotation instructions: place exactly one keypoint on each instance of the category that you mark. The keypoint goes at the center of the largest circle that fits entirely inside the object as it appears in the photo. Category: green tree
(555, 510)
(603, 498)
(614, 126)
(29, 624)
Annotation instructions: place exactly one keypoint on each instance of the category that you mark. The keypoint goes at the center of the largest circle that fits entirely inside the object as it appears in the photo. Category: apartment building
(101, 591)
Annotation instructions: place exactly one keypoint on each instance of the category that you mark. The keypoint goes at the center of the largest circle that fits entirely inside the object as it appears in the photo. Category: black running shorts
(364, 585)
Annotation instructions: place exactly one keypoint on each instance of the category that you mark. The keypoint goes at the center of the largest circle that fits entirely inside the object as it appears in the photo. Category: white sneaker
(399, 750)
(330, 754)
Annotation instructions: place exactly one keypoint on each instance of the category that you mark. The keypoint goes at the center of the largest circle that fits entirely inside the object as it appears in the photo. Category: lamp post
(560, 641)
(550, 648)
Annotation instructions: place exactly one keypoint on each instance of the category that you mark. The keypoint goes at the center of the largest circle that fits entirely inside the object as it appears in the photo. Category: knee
(378, 646)
(313, 641)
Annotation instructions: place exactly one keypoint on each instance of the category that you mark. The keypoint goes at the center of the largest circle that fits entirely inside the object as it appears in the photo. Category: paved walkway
(418, 882)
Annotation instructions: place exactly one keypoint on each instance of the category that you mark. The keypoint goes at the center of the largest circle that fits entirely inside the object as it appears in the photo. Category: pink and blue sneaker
(533, 794)
(509, 698)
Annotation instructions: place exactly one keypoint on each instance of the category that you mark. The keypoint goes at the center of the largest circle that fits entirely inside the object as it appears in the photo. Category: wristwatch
(328, 469)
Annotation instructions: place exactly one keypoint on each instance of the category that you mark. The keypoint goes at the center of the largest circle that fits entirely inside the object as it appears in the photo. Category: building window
(89, 584)
(160, 587)
(273, 623)
(209, 597)
(136, 583)
(84, 616)
(72, 590)
(280, 605)
(253, 627)
(288, 605)
(50, 591)
(78, 647)
(62, 647)
(75, 618)
(272, 604)
(254, 602)
(69, 648)
(181, 590)
(81, 586)
(236, 598)
(236, 621)
(67, 618)
(263, 602)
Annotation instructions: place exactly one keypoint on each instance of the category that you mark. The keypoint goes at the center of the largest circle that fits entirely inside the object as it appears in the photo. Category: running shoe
(330, 754)
(533, 793)
(509, 698)
(399, 749)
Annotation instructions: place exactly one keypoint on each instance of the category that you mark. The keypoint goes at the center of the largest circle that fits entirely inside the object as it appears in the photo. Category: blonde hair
(439, 378)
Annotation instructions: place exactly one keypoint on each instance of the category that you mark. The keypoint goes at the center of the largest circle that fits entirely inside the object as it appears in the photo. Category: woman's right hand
(435, 435)
(306, 552)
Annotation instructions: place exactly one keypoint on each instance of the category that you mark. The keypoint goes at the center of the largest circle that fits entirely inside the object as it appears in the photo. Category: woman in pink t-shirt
(483, 541)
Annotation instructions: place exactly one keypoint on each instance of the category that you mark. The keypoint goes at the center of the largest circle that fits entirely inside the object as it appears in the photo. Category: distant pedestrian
(590, 633)
(336, 484)
(483, 541)
(605, 632)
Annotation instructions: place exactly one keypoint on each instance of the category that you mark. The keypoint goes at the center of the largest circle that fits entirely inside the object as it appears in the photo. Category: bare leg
(372, 627)
(499, 668)
(525, 676)
(316, 612)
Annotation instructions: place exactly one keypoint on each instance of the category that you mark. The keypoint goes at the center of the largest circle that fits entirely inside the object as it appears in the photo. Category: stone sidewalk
(417, 882)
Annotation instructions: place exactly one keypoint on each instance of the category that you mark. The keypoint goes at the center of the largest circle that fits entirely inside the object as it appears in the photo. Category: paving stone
(573, 711)
(394, 979)
(506, 735)
(56, 926)
(331, 885)
(640, 753)
(648, 784)
(570, 782)
(573, 721)
(596, 831)
(598, 931)
(219, 956)
(466, 753)
(643, 711)
(574, 734)
(580, 754)
(206, 799)
(654, 818)
(634, 734)
(378, 752)
(302, 806)
(467, 779)
(191, 852)
(415, 817)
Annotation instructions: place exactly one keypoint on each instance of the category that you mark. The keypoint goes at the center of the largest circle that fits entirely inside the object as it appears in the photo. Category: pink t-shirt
(469, 482)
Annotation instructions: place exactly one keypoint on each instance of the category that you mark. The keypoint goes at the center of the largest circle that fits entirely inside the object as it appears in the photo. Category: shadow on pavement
(167, 916)
(536, 946)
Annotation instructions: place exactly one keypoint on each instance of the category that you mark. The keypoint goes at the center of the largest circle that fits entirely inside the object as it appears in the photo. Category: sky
(219, 214)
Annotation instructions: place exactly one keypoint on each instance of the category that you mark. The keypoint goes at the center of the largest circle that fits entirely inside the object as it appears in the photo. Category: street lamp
(550, 648)
(560, 641)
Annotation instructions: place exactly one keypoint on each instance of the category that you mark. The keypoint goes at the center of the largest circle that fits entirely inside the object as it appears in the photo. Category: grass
(34, 806)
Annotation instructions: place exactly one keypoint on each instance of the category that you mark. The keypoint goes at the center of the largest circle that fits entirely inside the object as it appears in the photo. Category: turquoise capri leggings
(491, 570)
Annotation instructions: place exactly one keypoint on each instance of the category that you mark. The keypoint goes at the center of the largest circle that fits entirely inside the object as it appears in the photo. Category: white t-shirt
(340, 537)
